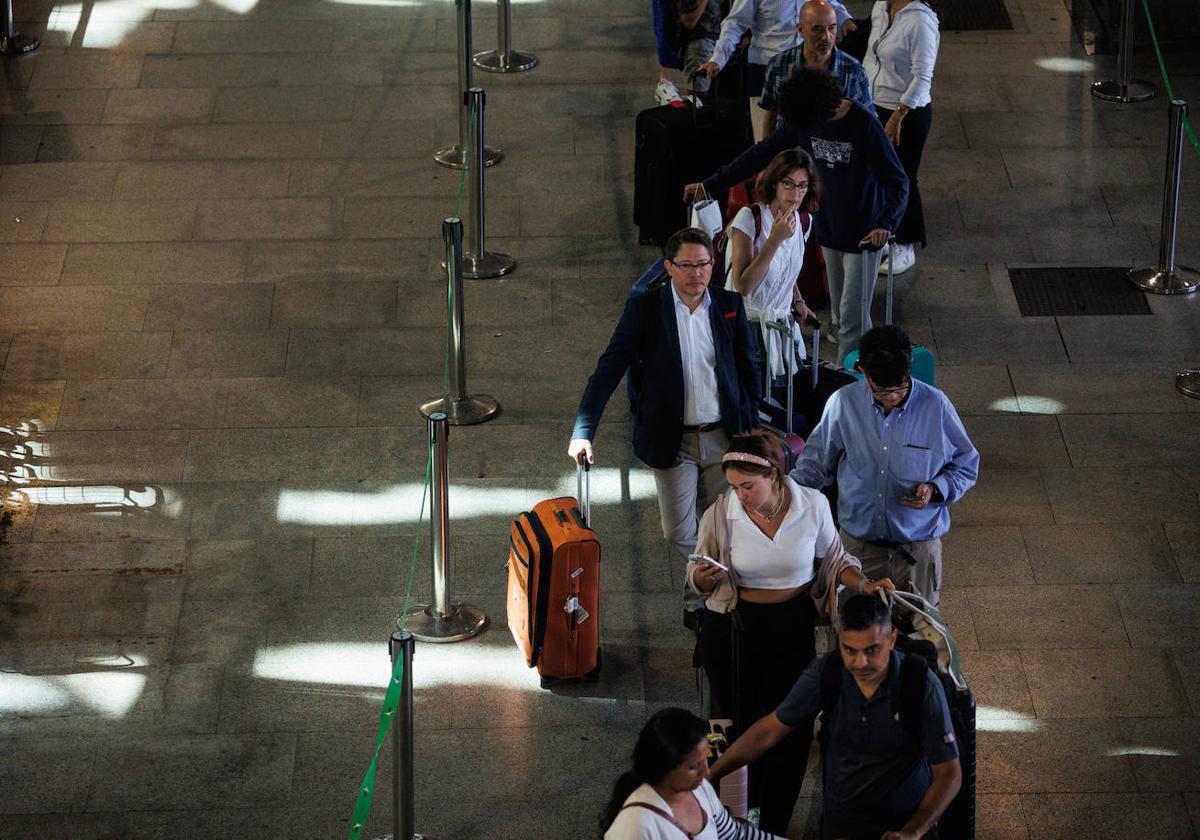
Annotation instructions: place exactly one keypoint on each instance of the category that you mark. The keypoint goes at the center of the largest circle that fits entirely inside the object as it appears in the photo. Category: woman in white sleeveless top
(766, 249)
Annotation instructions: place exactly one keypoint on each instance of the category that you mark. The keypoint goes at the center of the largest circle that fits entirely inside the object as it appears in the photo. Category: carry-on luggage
(734, 789)
(923, 632)
(812, 387)
(677, 146)
(924, 365)
(777, 411)
(554, 586)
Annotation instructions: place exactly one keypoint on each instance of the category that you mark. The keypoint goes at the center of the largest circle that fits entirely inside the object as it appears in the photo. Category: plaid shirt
(843, 67)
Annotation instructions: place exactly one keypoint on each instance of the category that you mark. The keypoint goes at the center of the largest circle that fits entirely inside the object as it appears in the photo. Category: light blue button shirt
(877, 458)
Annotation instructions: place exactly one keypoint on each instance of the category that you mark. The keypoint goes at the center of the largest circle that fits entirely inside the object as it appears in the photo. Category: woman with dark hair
(666, 796)
(766, 248)
(900, 56)
(776, 559)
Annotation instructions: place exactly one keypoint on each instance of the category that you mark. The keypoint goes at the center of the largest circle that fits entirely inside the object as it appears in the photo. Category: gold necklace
(774, 513)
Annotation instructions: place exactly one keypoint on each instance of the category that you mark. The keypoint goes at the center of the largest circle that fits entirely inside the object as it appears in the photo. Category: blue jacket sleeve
(755, 159)
(613, 363)
(668, 56)
(890, 175)
(962, 469)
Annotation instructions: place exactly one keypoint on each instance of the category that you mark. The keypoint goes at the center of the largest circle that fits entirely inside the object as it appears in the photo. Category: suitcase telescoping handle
(583, 489)
(868, 286)
(815, 357)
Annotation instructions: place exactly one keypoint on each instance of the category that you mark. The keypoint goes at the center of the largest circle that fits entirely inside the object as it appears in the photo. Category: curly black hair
(809, 96)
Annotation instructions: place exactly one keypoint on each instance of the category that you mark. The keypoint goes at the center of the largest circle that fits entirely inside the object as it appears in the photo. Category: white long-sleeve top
(643, 824)
(771, 22)
(900, 56)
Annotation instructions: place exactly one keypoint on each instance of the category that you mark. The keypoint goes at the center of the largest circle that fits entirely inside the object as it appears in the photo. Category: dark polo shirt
(871, 764)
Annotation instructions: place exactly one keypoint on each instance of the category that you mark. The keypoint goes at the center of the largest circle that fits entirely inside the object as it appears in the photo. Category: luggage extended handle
(868, 286)
(583, 489)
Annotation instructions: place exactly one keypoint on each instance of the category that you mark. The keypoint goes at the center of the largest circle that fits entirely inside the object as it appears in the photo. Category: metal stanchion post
(504, 59)
(456, 156)
(442, 621)
(460, 408)
(1187, 382)
(13, 42)
(1167, 278)
(1124, 88)
(477, 262)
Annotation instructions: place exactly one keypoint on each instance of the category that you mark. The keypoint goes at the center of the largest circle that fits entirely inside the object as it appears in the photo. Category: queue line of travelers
(841, 141)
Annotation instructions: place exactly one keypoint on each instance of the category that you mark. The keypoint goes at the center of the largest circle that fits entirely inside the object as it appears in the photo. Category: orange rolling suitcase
(554, 587)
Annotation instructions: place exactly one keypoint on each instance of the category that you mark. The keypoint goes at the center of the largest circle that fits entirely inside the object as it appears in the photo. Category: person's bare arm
(766, 732)
(947, 779)
(768, 122)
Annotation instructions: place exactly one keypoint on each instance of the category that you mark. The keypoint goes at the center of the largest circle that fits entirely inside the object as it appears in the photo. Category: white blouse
(643, 824)
(789, 559)
(771, 298)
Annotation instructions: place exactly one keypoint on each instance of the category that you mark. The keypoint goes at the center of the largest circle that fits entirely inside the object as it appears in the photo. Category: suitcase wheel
(548, 681)
(594, 674)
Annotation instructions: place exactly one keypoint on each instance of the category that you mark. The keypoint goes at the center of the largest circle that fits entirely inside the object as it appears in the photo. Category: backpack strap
(806, 223)
(669, 817)
(911, 698)
(756, 211)
(830, 691)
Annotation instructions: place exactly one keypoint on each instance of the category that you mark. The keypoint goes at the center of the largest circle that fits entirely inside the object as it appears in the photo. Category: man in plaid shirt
(818, 30)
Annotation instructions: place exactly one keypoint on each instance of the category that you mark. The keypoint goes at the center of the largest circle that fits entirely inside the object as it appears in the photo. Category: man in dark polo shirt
(885, 777)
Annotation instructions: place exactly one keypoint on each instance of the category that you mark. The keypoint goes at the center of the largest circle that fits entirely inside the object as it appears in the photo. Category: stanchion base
(18, 44)
(462, 621)
(414, 837)
(488, 264)
(451, 157)
(1181, 281)
(1110, 90)
(1187, 382)
(494, 61)
(472, 410)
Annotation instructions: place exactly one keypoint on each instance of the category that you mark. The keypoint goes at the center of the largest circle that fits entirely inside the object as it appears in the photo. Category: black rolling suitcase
(923, 633)
(812, 386)
(678, 146)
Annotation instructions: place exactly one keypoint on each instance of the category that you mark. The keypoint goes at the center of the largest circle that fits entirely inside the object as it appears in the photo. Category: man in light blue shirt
(901, 457)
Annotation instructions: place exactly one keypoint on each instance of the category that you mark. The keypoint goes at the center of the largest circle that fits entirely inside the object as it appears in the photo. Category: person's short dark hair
(687, 236)
(782, 165)
(885, 355)
(666, 739)
(809, 96)
(862, 612)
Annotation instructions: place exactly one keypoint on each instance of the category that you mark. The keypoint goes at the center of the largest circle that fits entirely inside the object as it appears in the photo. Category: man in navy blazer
(695, 360)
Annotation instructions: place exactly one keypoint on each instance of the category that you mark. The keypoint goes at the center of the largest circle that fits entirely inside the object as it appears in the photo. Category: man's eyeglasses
(792, 185)
(895, 391)
(691, 266)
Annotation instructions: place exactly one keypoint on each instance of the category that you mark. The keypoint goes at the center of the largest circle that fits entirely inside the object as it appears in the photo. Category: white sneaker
(665, 92)
(906, 258)
(831, 334)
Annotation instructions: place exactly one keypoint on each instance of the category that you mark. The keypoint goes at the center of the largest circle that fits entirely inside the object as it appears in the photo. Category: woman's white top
(789, 559)
(900, 56)
(772, 298)
(643, 824)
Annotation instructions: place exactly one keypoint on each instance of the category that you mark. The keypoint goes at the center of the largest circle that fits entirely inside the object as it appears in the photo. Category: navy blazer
(648, 335)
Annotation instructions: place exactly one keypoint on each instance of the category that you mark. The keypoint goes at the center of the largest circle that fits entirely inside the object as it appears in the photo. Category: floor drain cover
(973, 14)
(1076, 291)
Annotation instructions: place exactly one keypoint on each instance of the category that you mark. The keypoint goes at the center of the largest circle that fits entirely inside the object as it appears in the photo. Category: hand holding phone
(704, 558)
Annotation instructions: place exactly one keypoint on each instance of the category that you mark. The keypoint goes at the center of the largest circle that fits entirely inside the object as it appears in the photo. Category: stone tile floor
(219, 238)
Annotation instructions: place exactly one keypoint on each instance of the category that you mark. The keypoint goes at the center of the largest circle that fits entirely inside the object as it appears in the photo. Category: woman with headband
(768, 558)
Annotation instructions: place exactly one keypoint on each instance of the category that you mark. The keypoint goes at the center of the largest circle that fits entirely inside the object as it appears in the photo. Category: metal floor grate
(963, 15)
(1076, 291)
